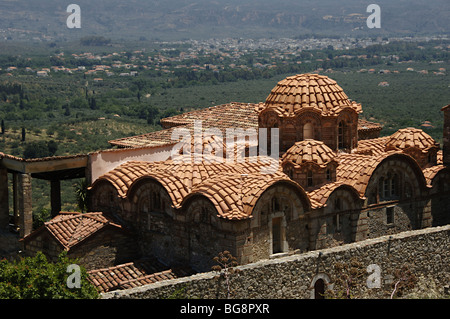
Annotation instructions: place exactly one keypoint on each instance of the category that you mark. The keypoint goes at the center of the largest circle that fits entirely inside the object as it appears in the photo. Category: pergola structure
(53, 169)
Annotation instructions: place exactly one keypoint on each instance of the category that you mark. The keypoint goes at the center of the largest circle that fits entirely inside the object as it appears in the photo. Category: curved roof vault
(236, 195)
(322, 194)
(357, 170)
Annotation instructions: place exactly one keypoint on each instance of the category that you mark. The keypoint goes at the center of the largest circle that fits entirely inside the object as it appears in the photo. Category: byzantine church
(335, 181)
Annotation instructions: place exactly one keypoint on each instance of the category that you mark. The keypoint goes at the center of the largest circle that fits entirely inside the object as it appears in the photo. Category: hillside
(45, 20)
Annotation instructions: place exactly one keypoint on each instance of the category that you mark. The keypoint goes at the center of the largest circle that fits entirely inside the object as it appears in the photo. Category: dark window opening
(276, 235)
(319, 289)
(390, 215)
(309, 179)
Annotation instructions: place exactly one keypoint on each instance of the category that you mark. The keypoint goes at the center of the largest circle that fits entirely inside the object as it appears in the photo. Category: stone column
(446, 135)
(55, 197)
(4, 204)
(16, 199)
(25, 204)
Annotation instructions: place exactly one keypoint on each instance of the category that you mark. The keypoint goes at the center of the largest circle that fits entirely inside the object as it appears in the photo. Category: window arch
(275, 204)
(309, 178)
(308, 131)
(342, 135)
(319, 285)
(389, 187)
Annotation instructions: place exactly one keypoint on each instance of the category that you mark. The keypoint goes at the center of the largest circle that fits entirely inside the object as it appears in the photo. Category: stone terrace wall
(425, 251)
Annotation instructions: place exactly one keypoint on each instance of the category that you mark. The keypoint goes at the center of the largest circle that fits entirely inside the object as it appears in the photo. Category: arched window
(394, 186)
(319, 289)
(337, 204)
(309, 178)
(381, 188)
(319, 286)
(389, 187)
(408, 190)
(275, 205)
(156, 201)
(342, 135)
(308, 131)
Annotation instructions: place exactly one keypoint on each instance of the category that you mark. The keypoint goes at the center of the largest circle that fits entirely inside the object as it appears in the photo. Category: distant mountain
(178, 19)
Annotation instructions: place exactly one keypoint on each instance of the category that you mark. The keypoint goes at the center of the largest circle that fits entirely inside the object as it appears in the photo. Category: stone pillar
(55, 197)
(446, 135)
(4, 204)
(24, 204)
(16, 199)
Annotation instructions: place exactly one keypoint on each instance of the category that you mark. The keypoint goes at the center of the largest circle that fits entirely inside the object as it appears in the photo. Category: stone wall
(106, 248)
(426, 252)
(446, 135)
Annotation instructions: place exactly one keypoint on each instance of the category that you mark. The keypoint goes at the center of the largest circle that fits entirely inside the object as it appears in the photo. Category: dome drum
(319, 109)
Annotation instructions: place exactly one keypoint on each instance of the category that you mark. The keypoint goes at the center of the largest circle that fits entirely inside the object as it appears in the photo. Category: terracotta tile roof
(69, 228)
(309, 92)
(42, 159)
(124, 175)
(152, 139)
(192, 174)
(179, 177)
(231, 115)
(411, 138)
(366, 126)
(440, 157)
(235, 195)
(373, 147)
(431, 172)
(322, 194)
(133, 274)
(309, 151)
(211, 144)
(356, 169)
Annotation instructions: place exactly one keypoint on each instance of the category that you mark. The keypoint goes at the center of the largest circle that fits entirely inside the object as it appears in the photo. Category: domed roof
(410, 137)
(309, 91)
(309, 151)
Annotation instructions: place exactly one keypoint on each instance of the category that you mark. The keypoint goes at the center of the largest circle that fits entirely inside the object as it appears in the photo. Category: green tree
(37, 149)
(40, 217)
(37, 278)
(81, 194)
(52, 147)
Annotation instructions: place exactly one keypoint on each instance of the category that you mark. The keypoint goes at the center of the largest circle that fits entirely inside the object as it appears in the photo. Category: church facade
(330, 188)
(336, 180)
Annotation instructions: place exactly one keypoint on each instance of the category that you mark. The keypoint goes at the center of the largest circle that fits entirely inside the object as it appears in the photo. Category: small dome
(309, 91)
(410, 138)
(309, 151)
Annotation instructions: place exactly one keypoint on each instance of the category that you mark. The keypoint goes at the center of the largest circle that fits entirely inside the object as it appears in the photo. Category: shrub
(36, 278)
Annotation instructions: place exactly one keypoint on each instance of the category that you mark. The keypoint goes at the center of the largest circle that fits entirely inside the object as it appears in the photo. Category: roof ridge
(74, 232)
(56, 219)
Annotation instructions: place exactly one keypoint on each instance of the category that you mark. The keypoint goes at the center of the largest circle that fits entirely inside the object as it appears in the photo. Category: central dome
(309, 92)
